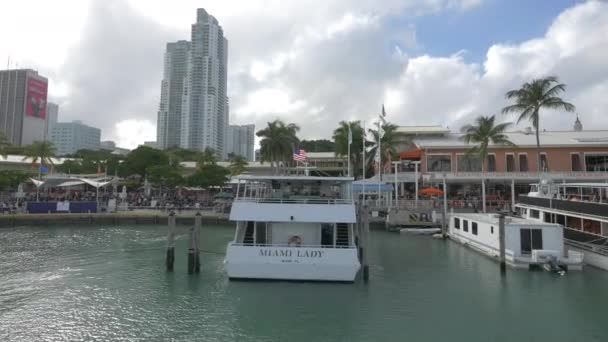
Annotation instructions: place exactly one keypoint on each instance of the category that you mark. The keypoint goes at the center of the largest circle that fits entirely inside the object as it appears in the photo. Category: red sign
(35, 98)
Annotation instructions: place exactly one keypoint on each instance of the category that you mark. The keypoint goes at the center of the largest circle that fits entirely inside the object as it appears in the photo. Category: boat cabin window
(474, 228)
(327, 234)
(456, 223)
(260, 233)
(534, 213)
(465, 225)
(491, 229)
(530, 239)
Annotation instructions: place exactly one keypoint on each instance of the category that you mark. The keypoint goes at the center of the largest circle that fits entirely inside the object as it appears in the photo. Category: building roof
(524, 139)
(493, 219)
(416, 130)
(18, 159)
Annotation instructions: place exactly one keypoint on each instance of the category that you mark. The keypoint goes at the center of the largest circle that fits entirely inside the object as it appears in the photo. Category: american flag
(299, 154)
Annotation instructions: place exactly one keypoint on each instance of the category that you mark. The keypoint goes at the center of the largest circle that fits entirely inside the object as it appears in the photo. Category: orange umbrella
(430, 191)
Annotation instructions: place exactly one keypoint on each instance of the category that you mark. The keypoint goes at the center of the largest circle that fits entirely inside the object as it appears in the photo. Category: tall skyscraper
(200, 66)
(241, 140)
(172, 89)
(52, 114)
(23, 106)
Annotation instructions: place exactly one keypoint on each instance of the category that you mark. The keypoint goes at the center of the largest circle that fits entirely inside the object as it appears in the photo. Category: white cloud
(131, 133)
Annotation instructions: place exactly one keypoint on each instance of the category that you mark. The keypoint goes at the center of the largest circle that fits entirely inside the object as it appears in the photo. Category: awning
(36, 182)
(411, 154)
(70, 183)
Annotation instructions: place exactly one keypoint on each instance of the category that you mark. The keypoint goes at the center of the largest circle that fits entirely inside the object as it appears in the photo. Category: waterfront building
(241, 140)
(152, 144)
(169, 127)
(204, 122)
(111, 146)
(23, 106)
(69, 137)
(438, 153)
(52, 114)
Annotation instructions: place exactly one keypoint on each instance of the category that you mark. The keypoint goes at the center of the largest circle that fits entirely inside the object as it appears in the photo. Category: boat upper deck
(590, 199)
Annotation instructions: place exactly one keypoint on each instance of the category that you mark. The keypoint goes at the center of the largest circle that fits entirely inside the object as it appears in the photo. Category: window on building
(523, 163)
(575, 160)
(474, 228)
(439, 163)
(456, 223)
(510, 163)
(491, 163)
(534, 213)
(468, 163)
(596, 162)
(465, 225)
(544, 162)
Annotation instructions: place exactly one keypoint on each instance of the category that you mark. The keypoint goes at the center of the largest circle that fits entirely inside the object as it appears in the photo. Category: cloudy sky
(316, 62)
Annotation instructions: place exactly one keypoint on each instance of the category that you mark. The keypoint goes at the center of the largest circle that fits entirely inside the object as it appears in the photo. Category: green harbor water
(109, 283)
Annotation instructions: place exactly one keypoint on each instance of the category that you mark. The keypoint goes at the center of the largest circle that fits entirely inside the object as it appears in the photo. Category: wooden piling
(501, 242)
(170, 259)
(194, 250)
(365, 242)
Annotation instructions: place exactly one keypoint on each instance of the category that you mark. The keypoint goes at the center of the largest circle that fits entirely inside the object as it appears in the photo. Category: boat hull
(291, 263)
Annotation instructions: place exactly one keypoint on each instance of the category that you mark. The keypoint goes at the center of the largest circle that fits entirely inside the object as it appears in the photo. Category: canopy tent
(430, 191)
(69, 183)
(411, 154)
(37, 183)
(371, 185)
(94, 183)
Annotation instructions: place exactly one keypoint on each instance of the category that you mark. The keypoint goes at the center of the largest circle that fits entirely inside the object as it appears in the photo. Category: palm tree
(278, 140)
(4, 145)
(390, 142)
(237, 164)
(341, 143)
(532, 97)
(207, 157)
(484, 132)
(40, 152)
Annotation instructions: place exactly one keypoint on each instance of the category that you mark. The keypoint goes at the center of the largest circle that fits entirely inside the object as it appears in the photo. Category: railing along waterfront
(294, 200)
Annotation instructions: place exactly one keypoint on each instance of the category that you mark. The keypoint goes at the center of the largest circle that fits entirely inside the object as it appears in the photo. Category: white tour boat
(293, 228)
(582, 208)
(527, 242)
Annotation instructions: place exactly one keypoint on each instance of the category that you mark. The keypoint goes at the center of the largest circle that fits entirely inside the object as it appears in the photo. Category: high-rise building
(172, 89)
(52, 114)
(193, 111)
(241, 141)
(69, 137)
(23, 106)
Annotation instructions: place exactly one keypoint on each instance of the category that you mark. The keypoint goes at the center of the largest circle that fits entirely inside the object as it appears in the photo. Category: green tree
(390, 142)
(10, 179)
(208, 157)
(209, 175)
(482, 133)
(321, 145)
(140, 159)
(238, 164)
(278, 141)
(4, 145)
(40, 152)
(165, 175)
(341, 144)
(183, 154)
(534, 96)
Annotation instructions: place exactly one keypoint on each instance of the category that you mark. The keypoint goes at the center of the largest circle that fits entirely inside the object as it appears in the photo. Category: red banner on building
(35, 98)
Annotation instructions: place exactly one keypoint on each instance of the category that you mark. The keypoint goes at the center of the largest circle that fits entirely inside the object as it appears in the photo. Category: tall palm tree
(278, 140)
(534, 96)
(390, 142)
(341, 143)
(207, 157)
(40, 152)
(4, 145)
(482, 133)
(237, 164)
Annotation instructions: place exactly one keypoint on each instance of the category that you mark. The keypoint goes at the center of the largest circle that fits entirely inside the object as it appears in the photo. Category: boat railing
(295, 200)
(580, 207)
(239, 244)
(588, 246)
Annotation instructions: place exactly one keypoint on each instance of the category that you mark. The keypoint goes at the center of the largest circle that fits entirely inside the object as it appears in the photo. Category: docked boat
(581, 208)
(293, 228)
(528, 243)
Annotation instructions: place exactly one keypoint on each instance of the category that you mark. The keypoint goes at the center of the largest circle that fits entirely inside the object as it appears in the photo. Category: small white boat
(420, 231)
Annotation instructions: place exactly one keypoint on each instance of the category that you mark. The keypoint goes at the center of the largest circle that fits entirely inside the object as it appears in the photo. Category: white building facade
(241, 140)
(69, 137)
